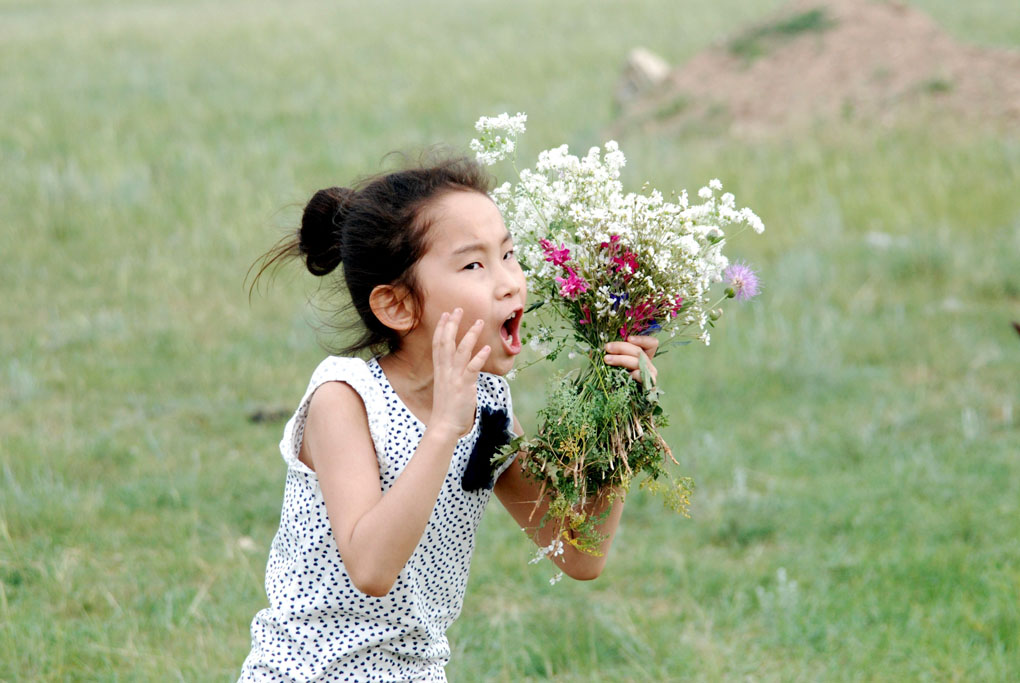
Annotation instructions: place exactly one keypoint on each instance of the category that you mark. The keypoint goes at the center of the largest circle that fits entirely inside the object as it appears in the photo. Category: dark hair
(378, 232)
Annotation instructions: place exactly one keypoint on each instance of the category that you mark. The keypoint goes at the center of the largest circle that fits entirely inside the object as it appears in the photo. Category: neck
(411, 374)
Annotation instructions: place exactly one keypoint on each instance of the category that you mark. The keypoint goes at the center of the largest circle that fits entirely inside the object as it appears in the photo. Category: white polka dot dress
(319, 627)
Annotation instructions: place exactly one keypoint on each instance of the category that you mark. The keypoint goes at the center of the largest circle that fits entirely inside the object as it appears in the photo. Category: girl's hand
(626, 354)
(455, 374)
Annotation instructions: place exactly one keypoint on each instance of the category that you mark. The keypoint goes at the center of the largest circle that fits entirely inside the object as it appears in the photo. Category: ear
(394, 306)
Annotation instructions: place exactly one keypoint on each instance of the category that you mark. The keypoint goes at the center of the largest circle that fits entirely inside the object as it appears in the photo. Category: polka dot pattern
(319, 627)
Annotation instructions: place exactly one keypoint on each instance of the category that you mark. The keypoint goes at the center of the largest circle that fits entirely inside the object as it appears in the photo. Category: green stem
(721, 299)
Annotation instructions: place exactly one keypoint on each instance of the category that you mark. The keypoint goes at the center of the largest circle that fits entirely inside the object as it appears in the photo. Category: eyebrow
(477, 246)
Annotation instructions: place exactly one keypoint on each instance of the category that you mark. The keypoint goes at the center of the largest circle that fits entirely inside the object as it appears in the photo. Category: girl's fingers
(476, 363)
(619, 360)
(623, 349)
(649, 344)
(635, 344)
(453, 354)
(626, 349)
(630, 363)
(634, 372)
(467, 343)
(437, 339)
(448, 344)
(437, 334)
(454, 322)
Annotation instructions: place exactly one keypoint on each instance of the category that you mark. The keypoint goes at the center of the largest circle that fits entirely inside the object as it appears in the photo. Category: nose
(510, 282)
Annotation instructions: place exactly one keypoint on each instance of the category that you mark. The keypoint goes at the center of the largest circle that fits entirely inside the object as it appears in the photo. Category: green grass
(853, 433)
(759, 41)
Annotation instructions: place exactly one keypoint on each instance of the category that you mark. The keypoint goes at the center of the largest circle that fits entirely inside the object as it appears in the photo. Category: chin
(500, 367)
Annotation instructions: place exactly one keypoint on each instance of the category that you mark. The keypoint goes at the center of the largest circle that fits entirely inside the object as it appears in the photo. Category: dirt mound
(823, 60)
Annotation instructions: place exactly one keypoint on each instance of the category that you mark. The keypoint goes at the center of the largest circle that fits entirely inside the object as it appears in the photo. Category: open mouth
(510, 331)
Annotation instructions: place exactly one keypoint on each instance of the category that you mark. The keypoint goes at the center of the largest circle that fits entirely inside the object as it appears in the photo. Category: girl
(369, 565)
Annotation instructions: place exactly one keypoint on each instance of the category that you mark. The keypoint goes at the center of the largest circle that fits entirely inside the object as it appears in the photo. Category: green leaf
(537, 304)
(508, 451)
(652, 392)
(668, 344)
(646, 374)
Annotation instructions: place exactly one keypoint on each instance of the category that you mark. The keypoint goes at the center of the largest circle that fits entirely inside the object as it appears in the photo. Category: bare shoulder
(332, 396)
(336, 417)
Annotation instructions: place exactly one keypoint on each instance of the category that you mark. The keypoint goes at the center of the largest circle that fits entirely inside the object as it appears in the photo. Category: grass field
(853, 433)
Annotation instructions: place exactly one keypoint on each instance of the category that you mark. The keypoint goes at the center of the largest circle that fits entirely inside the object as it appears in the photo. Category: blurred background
(853, 433)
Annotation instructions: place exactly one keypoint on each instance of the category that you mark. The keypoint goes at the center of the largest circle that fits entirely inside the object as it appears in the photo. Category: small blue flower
(618, 299)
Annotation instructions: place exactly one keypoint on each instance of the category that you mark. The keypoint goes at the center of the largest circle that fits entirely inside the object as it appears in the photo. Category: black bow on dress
(493, 433)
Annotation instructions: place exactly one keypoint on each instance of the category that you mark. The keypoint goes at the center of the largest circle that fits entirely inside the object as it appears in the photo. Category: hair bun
(321, 232)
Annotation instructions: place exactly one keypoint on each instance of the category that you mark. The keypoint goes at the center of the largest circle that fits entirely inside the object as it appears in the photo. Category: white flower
(665, 250)
(614, 157)
(513, 125)
(690, 245)
(491, 147)
(554, 549)
(749, 217)
(540, 341)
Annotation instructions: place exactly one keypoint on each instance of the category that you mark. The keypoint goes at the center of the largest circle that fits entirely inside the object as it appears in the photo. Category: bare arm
(376, 533)
(520, 494)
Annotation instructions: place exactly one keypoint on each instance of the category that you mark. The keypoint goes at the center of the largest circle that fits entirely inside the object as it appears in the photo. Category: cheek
(522, 281)
(470, 315)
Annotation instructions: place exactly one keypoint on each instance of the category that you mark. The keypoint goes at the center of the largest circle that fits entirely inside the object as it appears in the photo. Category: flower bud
(730, 292)
(715, 314)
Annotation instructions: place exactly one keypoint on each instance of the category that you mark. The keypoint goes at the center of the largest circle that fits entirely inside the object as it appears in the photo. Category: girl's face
(469, 263)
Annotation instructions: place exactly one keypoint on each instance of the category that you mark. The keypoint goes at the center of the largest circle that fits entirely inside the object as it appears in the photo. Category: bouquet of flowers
(604, 264)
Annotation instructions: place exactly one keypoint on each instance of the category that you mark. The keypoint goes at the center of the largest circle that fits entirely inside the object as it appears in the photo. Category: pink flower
(622, 260)
(586, 320)
(641, 312)
(572, 285)
(626, 264)
(640, 318)
(611, 244)
(557, 256)
(677, 305)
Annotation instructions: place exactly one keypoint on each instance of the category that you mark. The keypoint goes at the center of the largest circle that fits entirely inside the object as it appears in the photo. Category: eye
(471, 266)
(508, 255)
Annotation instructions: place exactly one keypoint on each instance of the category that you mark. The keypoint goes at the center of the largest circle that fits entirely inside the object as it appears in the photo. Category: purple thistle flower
(741, 280)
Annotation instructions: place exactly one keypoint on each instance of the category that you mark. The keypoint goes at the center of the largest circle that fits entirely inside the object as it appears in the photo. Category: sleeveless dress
(319, 627)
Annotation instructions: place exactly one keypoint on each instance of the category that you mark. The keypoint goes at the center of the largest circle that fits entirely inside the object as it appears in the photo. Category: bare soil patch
(831, 60)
